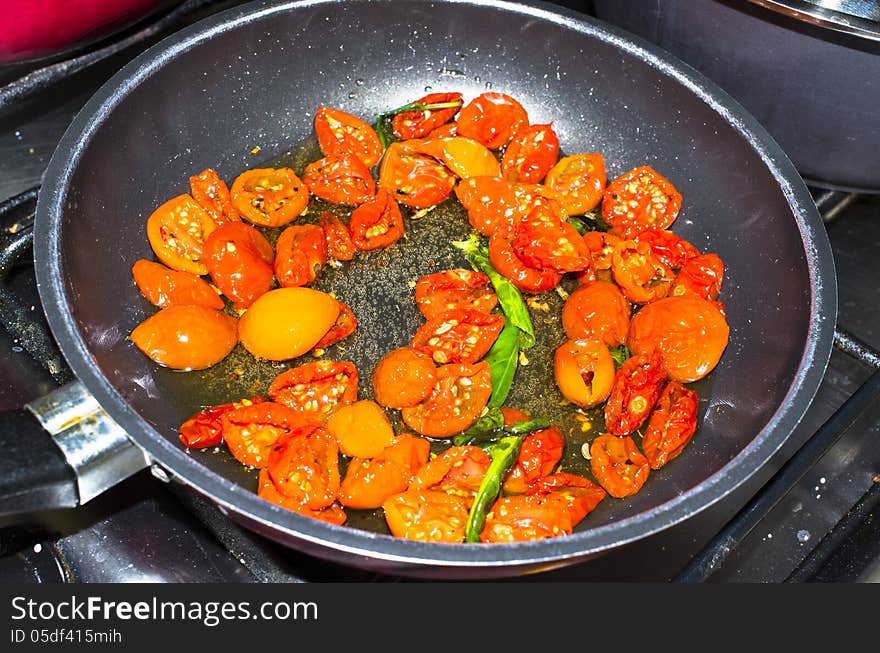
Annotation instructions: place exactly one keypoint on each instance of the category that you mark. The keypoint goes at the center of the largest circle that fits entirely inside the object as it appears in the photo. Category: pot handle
(61, 451)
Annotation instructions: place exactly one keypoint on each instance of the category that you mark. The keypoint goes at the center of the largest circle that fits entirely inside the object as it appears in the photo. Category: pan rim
(287, 526)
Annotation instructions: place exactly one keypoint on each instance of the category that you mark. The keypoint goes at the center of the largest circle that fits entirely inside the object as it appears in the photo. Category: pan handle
(62, 451)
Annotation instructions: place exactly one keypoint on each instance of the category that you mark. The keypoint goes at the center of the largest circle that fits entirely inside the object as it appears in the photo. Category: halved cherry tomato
(212, 194)
(531, 154)
(427, 516)
(186, 337)
(304, 464)
(636, 389)
(414, 179)
(544, 241)
(671, 425)
(269, 197)
(456, 401)
(580, 494)
(538, 456)
(205, 428)
(342, 133)
(376, 223)
(638, 200)
(462, 335)
(300, 253)
(362, 429)
(316, 389)
(457, 288)
(459, 470)
(251, 431)
(489, 201)
(337, 237)
(701, 276)
(689, 332)
(640, 275)
(601, 245)
(584, 371)
(266, 489)
(369, 482)
(504, 259)
(177, 231)
(463, 156)
(164, 287)
(577, 182)
(418, 124)
(444, 131)
(672, 250)
(239, 260)
(345, 325)
(597, 310)
(492, 119)
(403, 378)
(618, 465)
(341, 179)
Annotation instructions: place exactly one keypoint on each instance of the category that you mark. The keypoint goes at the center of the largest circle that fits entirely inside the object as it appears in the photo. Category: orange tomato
(369, 482)
(177, 231)
(269, 197)
(403, 378)
(361, 429)
(597, 310)
(584, 372)
(165, 287)
(186, 337)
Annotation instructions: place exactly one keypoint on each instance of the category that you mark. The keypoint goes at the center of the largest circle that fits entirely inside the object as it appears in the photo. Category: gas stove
(811, 514)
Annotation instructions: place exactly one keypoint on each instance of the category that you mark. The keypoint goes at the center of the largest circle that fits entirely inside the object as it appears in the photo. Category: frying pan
(253, 77)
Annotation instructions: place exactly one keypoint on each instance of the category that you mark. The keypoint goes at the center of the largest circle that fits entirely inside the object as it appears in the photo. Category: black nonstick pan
(253, 77)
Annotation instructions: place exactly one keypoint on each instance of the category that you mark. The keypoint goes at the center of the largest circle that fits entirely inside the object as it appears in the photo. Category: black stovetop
(825, 528)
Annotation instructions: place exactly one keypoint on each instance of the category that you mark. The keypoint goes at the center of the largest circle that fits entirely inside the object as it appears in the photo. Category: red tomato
(341, 179)
(205, 428)
(300, 253)
(579, 494)
(538, 456)
(414, 179)
(577, 182)
(458, 470)
(671, 425)
(618, 465)
(673, 251)
(239, 261)
(492, 119)
(601, 245)
(597, 310)
(456, 401)
(337, 237)
(427, 516)
(530, 155)
(369, 482)
(638, 200)
(186, 337)
(212, 194)
(448, 130)
(462, 335)
(544, 241)
(269, 197)
(342, 133)
(489, 201)
(304, 465)
(700, 276)
(377, 223)
(177, 231)
(418, 124)
(584, 371)
(458, 288)
(504, 259)
(266, 489)
(165, 287)
(345, 325)
(251, 431)
(404, 378)
(640, 275)
(316, 389)
(636, 389)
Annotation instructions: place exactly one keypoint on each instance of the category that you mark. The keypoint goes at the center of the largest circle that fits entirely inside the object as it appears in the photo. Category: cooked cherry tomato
(689, 332)
(304, 464)
(186, 337)
(269, 197)
(618, 465)
(462, 335)
(544, 241)
(640, 275)
(300, 253)
(342, 133)
(640, 199)
(362, 429)
(459, 470)
(701, 276)
(341, 179)
(337, 237)
(414, 179)
(489, 201)
(492, 119)
(345, 325)
(266, 489)
(239, 260)
(165, 287)
(601, 245)
(251, 431)
(579, 494)
(672, 250)
(212, 194)
(531, 154)
(418, 124)
(463, 156)
(457, 399)
(444, 131)
(504, 259)
(369, 482)
(403, 378)
(538, 456)
(376, 223)
(177, 231)
(458, 288)
(597, 310)
(584, 371)
(427, 516)
(671, 425)
(636, 389)
(316, 389)
(577, 182)
(205, 428)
